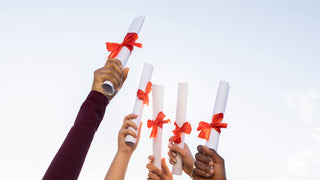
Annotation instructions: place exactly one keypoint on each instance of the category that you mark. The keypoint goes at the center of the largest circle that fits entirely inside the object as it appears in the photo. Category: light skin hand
(209, 165)
(124, 131)
(121, 160)
(157, 174)
(111, 71)
(186, 156)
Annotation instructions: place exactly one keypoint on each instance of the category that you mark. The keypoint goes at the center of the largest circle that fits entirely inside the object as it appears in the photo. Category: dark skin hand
(209, 165)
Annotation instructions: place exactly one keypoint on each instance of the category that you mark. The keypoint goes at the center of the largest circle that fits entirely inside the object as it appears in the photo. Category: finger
(109, 75)
(203, 158)
(125, 74)
(113, 60)
(200, 149)
(172, 157)
(164, 166)
(151, 158)
(171, 139)
(129, 123)
(171, 162)
(123, 77)
(102, 72)
(186, 148)
(199, 172)
(125, 132)
(139, 132)
(153, 176)
(204, 167)
(154, 169)
(214, 155)
(115, 67)
(175, 148)
(130, 116)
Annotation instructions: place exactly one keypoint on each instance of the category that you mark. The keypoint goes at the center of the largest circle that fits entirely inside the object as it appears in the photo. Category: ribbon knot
(144, 95)
(205, 128)
(158, 122)
(129, 41)
(185, 128)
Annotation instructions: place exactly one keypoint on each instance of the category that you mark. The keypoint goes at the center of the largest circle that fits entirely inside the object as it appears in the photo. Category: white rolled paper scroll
(124, 53)
(157, 100)
(180, 120)
(138, 106)
(219, 107)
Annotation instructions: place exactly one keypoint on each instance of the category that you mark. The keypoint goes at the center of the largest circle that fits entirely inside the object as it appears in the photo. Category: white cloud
(316, 134)
(304, 161)
(304, 103)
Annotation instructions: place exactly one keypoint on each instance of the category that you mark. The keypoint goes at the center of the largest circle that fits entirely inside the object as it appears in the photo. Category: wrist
(124, 154)
(98, 87)
(189, 172)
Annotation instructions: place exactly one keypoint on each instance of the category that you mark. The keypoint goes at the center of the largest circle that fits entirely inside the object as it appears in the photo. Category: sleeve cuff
(99, 98)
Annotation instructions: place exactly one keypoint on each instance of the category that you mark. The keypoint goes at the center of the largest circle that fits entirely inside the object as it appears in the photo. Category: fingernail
(211, 164)
(170, 145)
(211, 171)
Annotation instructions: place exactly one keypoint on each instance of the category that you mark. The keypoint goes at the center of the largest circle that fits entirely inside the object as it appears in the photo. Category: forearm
(118, 166)
(68, 161)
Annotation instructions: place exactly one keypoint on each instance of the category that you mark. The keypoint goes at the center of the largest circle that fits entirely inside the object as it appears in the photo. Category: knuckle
(221, 160)
(196, 163)
(96, 72)
(198, 155)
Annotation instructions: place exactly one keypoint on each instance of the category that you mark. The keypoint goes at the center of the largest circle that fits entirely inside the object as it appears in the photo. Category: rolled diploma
(180, 120)
(124, 53)
(219, 107)
(138, 106)
(157, 100)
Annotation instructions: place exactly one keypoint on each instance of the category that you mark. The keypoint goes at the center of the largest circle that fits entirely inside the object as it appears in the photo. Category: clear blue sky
(267, 50)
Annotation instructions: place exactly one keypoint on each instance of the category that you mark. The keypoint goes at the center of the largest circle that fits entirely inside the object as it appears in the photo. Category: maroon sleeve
(68, 161)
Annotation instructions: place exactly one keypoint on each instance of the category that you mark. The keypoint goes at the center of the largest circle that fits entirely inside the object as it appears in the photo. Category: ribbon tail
(139, 45)
(154, 132)
(177, 140)
(146, 100)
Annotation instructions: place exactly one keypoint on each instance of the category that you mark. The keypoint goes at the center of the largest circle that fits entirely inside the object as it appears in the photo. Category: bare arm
(120, 162)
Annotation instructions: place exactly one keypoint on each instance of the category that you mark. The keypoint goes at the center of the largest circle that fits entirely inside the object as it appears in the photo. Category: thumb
(125, 74)
(164, 167)
(139, 132)
(186, 148)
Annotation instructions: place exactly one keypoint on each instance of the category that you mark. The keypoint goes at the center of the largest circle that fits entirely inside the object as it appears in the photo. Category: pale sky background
(267, 50)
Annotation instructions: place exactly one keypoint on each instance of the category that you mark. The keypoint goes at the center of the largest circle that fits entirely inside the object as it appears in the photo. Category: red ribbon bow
(144, 95)
(129, 42)
(157, 122)
(205, 128)
(186, 128)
